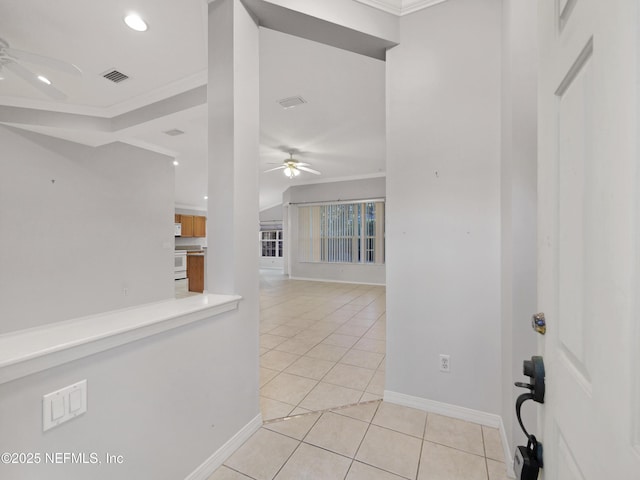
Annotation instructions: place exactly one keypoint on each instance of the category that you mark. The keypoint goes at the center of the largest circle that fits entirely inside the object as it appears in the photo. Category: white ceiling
(340, 131)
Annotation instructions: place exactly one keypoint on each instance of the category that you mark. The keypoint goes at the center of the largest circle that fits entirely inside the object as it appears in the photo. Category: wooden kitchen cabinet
(195, 272)
(177, 218)
(192, 225)
(199, 226)
(187, 225)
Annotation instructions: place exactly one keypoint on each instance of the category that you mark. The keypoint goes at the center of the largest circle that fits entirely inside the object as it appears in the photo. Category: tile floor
(322, 345)
(374, 440)
(182, 289)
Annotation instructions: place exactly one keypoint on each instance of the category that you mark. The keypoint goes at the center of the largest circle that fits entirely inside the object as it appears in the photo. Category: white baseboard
(454, 411)
(210, 465)
(291, 277)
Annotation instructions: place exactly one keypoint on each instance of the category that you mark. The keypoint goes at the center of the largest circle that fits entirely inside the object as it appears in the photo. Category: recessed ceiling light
(44, 79)
(206, 197)
(176, 163)
(136, 23)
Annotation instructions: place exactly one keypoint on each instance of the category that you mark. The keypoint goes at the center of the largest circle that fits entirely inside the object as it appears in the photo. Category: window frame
(278, 241)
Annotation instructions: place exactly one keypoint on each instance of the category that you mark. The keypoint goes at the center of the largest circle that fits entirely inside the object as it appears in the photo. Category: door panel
(575, 187)
(588, 242)
(568, 467)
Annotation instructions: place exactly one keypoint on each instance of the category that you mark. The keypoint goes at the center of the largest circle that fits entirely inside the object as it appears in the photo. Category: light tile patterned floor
(322, 345)
(182, 289)
(370, 441)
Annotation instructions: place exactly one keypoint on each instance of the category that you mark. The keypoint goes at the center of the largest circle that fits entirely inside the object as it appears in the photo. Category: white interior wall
(273, 214)
(165, 403)
(169, 396)
(370, 188)
(518, 204)
(443, 205)
(84, 230)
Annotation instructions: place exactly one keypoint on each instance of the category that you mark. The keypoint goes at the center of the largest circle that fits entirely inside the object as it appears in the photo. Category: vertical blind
(341, 233)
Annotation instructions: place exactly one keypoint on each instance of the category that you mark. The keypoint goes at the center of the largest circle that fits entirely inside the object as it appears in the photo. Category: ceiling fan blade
(30, 77)
(307, 169)
(54, 63)
(277, 168)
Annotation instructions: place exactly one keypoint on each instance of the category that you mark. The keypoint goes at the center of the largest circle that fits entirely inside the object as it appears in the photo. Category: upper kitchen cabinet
(199, 226)
(193, 226)
(187, 225)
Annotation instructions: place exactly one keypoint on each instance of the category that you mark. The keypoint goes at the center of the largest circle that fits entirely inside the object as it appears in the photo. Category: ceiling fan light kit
(291, 171)
(292, 168)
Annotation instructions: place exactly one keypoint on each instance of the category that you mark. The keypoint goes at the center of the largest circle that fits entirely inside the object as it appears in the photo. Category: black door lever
(534, 369)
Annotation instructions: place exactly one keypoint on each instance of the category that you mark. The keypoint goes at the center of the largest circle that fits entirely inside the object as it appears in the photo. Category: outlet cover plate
(445, 363)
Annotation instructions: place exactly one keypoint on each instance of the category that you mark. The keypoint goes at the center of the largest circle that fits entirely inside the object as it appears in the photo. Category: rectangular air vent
(291, 102)
(115, 76)
(174, 132)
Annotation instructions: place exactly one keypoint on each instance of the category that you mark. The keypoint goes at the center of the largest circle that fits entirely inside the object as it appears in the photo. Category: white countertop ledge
(32, 350)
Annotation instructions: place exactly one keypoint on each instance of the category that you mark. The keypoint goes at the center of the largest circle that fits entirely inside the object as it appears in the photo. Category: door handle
(528, 460)
(534, 369)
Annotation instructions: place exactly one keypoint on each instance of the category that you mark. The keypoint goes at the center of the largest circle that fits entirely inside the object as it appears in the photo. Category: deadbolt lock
(539, 323)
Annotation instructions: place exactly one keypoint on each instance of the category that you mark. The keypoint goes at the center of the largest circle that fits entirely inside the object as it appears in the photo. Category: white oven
(180, 271)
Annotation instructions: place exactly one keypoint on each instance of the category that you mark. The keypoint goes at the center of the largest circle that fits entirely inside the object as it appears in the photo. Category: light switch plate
(63, 405)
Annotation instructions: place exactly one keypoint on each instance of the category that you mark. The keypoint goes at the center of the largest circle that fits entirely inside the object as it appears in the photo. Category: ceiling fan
(292, 167)
(11, 59)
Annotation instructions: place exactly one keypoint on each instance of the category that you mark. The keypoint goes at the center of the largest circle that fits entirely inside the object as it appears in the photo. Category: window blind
(341, 233)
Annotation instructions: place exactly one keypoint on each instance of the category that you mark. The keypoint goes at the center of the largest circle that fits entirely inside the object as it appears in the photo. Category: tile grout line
(362, 440)
(484, 449)
(237, 471)
(424, 433)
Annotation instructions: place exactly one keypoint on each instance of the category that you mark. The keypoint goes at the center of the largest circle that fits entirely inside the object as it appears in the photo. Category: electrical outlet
(445, 363)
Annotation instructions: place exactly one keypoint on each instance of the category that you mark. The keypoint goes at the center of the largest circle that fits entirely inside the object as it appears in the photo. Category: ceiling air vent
(174, 132)
(291, 102)
(115, 76)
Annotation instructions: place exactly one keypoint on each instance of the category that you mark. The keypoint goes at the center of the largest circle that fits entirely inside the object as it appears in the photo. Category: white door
(588, 246)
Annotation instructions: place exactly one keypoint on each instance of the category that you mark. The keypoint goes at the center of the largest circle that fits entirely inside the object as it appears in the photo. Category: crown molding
(400, 7)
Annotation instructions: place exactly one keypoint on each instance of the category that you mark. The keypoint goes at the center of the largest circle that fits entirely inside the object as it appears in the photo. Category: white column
(233, 98)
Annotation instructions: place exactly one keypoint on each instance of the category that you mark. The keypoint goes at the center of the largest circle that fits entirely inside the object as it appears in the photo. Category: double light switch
(64, 404)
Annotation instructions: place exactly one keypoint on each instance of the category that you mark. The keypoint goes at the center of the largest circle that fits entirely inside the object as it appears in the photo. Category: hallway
(322, 345)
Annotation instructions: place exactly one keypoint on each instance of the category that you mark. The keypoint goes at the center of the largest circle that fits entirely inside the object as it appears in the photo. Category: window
(271, 243)
(341, 233)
